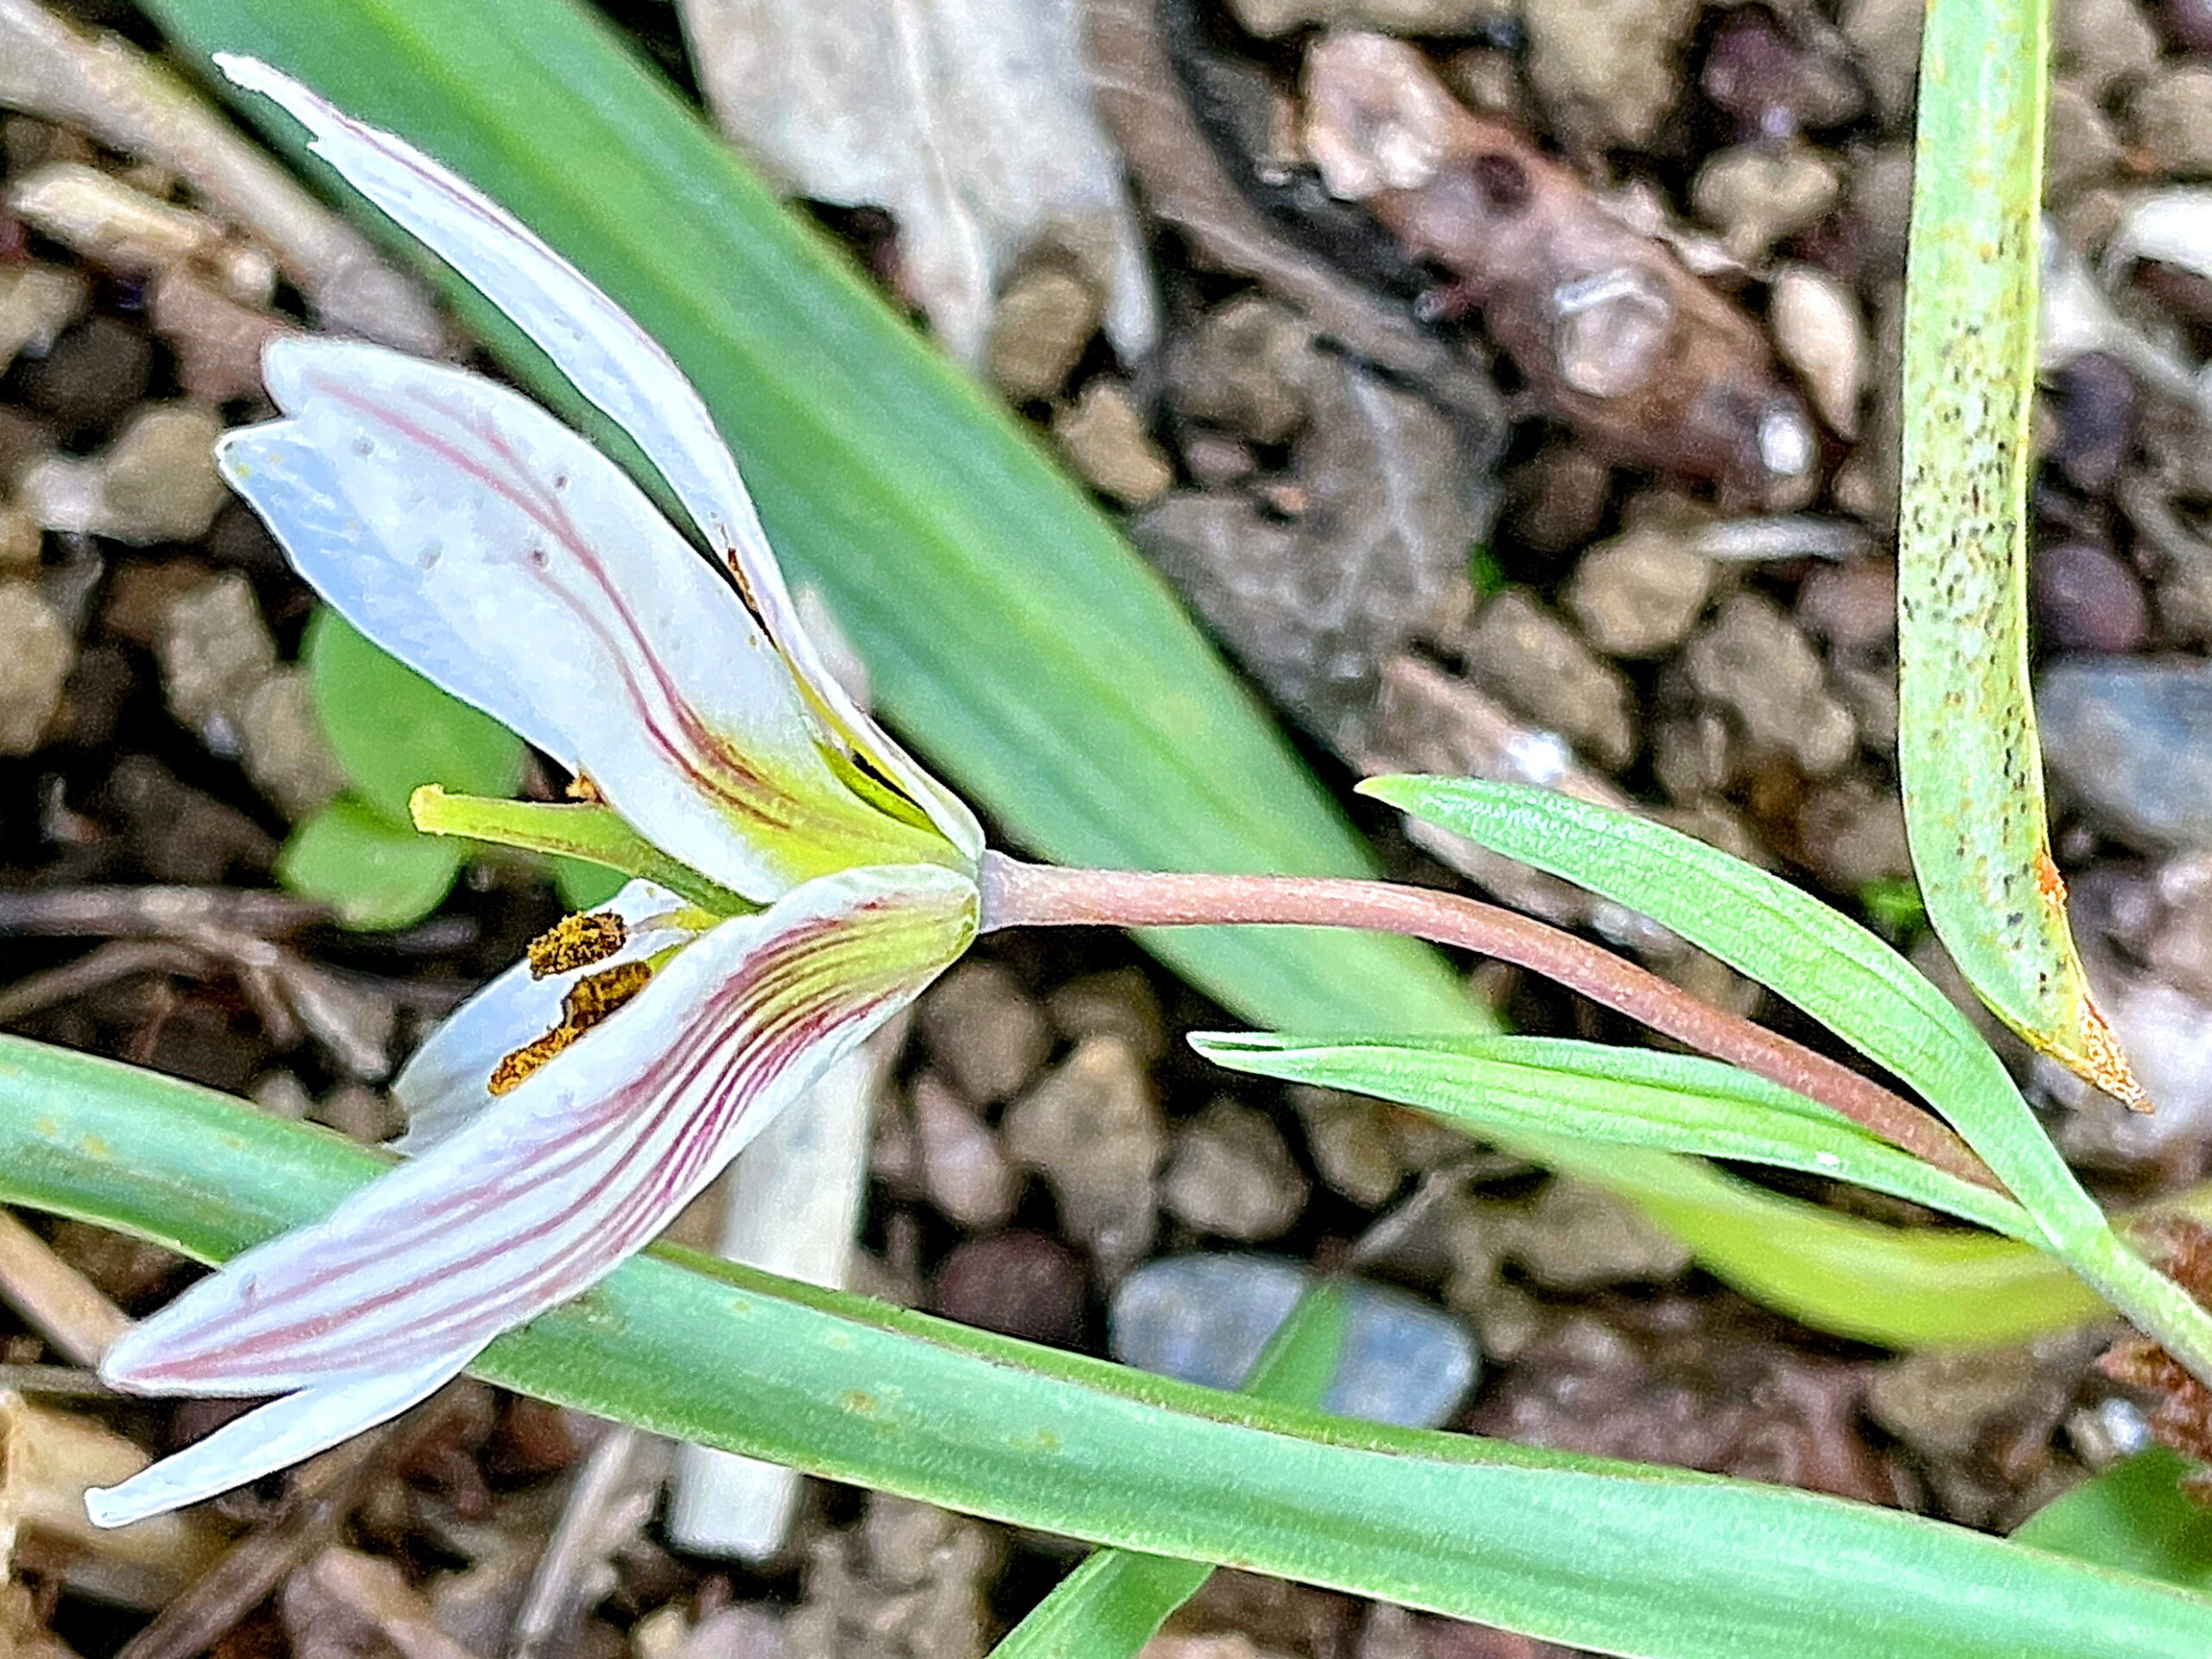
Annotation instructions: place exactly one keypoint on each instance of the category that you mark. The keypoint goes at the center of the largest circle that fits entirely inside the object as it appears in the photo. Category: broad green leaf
(1621, 1557)
(1007, 630)
(2134, 1518)
(1115, 1602)
(1626, 1096)
(1829, 965)
(1967, 748)
(394, 731)
(372, 873)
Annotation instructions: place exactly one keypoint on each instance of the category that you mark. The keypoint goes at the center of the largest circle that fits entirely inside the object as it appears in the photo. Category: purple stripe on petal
(546, 1192)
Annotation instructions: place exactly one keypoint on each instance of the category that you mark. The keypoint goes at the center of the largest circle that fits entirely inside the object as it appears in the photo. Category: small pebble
(2079, 147)
(1939, 1400)
(1205, 1318)
(1851, 834)
(95, 374)
(218, 342)
(2189, 23)
(2095, 399)
(1104, 434)
(21, 539)
(1759, 196)
(159, 482)
(1117, 1003)
(37, 651)
(2171, 115)
(2132, 738)
(1536, 664)
(101, 217)
(1093, 1129)
(1767, 81)
(1231, 1174)
(2088, 599)
(1045, 319)
(1819, 333)
(1242, 369)
(984, 1031)
(964, 1172)
(1885, 39)
(2098, 44)
(1351, 1143)
(282, 745)
(1639, 594)
(1578, 1237)
(213, 649)
(1608, 70)
(37, 302)
(1753, 662)
(1018, 1283)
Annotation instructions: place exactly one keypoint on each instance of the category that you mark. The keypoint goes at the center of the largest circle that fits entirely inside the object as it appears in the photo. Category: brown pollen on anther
(589, 1002)
(594, 996)
(576, 942)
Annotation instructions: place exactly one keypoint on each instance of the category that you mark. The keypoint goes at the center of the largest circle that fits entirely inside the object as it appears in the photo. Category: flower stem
(1016, 894)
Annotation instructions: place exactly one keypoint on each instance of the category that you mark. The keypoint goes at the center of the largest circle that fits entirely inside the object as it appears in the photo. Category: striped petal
(475, 537)
(534, 1201)
(443, 1086)
(623, 370)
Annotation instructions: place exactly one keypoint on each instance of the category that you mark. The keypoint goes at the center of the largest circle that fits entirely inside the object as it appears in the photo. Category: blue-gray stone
(1204, 1319)
(2132, 738)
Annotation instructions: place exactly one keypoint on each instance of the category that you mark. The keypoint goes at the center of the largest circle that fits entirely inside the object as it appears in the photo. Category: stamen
(580, 788)
(589, 1002)
(576, 942)
(594, 996)
(510, 1072)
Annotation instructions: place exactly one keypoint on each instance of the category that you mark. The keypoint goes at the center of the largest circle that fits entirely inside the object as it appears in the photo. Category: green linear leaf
(1115, 1602)
(1966, 747)
(1626, 1097)
(1625, 1557)
(1829, 965)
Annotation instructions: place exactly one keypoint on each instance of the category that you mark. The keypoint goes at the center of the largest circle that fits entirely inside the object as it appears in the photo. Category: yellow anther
(589, 1001)
(580, 788)
(509, 1073)
(594, 996)
(576, 942)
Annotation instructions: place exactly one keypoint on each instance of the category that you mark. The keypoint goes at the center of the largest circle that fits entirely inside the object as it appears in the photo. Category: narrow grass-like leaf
(372, 873)
(1621, 1557)
(393, 731)
(2134, 1518)
(1626, 1096)
(1966, 747)
(1115, 1601)
(1829, 965)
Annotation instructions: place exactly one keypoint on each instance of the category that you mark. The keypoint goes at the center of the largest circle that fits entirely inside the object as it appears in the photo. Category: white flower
(565, 1115)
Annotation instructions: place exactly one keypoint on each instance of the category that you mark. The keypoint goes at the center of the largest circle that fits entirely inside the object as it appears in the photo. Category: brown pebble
(2087, 599)
(1018, 1283)
(95, 373)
